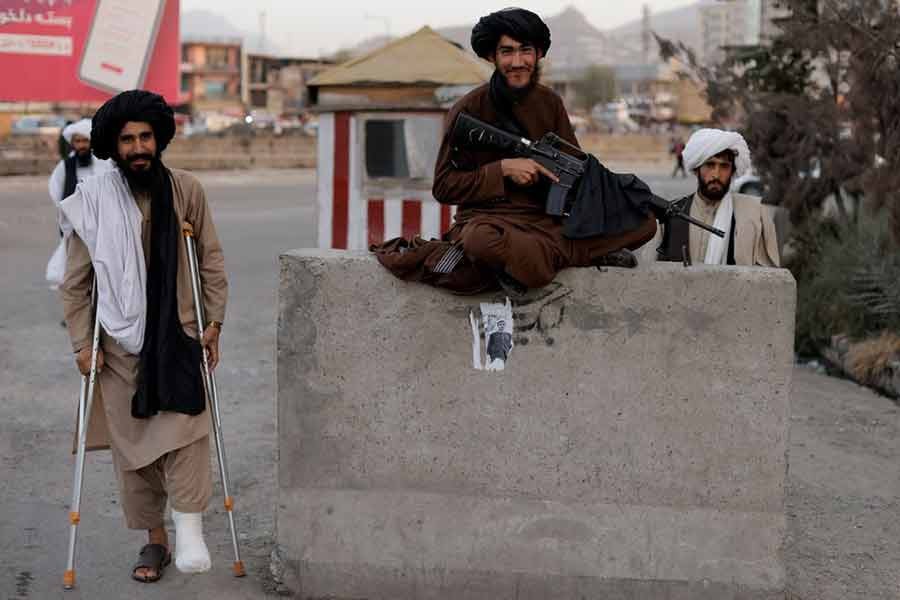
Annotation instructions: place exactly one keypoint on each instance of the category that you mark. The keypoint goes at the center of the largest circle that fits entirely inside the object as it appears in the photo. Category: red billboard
(87, 50)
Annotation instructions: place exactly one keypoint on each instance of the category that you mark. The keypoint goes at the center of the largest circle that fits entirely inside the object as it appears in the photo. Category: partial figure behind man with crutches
(155, 354)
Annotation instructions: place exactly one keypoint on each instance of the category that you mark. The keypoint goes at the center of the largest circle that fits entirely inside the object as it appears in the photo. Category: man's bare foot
(159, 536)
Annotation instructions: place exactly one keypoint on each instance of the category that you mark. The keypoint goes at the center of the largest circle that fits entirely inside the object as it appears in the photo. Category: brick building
(211, 74)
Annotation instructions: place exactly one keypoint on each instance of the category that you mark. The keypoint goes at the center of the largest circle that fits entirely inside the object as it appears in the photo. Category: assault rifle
(470, 132)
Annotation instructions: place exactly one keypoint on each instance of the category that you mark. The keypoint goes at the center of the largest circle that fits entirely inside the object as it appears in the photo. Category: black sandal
(152, 556)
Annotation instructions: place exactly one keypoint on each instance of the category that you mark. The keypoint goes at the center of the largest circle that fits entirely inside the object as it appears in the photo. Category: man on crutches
(125, 228)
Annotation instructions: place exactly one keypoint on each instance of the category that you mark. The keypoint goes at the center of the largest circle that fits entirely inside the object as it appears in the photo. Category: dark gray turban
(520, 24)
(134, 105)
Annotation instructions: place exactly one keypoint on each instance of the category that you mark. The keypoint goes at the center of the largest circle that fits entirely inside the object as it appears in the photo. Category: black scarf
(71, 176)
(606, 203)
(504, 98)
(72, 163)
(169, 376)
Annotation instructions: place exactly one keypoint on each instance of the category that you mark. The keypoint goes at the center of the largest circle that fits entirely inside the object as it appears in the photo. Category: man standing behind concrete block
(501, 227)
(716, 157)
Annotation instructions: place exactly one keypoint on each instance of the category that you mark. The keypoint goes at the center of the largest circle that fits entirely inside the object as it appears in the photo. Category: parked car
(49, 125)
(311, 127)
(260, 120)
(749, 183)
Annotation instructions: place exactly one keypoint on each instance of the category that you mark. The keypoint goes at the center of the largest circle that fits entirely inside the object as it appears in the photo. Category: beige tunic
(138, 442)
(755, 240)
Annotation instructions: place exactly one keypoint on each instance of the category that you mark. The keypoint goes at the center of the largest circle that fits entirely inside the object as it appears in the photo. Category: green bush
(848, 281)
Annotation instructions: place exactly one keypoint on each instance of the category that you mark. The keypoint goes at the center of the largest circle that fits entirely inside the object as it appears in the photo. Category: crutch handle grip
(187, 229)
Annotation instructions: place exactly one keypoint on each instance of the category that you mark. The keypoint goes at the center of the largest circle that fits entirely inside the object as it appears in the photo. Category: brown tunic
(138, 442)
(473, 179)
(501, 225)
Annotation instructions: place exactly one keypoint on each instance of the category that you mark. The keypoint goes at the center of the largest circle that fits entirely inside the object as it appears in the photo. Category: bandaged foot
(191, 553)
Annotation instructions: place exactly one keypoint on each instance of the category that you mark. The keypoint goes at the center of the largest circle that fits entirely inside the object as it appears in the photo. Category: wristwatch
(216, 324)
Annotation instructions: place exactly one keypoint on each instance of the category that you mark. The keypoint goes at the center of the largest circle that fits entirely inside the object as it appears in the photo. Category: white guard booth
(380, 124)
(375, 173)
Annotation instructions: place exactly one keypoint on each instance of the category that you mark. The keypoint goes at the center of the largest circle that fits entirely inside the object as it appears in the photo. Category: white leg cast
(191, 553)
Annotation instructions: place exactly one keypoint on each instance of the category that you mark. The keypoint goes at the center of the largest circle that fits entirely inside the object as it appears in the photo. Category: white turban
(82, 128)
(706, 143)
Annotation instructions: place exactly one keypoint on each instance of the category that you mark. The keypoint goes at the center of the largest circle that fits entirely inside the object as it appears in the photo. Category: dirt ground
(844, 491)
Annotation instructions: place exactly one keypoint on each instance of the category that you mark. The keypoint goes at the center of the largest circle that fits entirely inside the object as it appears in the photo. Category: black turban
(134, 105)
(520, 24)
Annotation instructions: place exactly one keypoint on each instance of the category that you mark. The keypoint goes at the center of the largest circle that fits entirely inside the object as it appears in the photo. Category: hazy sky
(315, 27)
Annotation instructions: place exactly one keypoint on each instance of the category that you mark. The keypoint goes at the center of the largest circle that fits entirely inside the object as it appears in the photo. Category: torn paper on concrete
(497, 320)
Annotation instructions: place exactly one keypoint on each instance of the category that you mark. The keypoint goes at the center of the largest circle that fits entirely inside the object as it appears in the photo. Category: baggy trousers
(533, 250)
(181, 475)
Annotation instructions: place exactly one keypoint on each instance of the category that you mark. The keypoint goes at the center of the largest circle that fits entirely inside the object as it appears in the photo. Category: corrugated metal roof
(425, 57)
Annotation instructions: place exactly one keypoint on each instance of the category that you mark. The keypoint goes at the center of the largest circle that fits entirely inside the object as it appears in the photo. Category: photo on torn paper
(497, 330)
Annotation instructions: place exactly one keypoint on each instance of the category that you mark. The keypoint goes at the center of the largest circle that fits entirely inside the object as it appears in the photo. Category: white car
(748, 183)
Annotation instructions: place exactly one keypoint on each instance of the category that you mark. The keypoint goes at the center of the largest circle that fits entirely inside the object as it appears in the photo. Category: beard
(713, 194)
(532, 81)
(84, 158)
(140, 178)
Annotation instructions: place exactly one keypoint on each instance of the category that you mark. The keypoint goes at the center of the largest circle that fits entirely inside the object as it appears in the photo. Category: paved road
(258, 215)
(844, 532)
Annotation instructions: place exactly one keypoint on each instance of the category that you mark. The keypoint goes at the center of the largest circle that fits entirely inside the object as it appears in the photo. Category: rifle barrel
(700, 224)
(666, 210)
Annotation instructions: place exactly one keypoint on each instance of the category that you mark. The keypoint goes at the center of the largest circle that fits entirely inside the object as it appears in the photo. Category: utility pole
(646, 36)
(262, 31)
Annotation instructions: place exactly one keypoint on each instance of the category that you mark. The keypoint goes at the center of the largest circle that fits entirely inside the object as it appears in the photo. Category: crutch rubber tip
(74, 518)
(239, 568)
(69, 579)
(229, 503)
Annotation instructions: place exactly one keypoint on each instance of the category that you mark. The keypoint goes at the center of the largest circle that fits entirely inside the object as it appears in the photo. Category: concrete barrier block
(633, 447)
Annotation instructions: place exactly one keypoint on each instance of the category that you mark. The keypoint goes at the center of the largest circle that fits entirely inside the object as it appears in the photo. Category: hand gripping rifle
(470, 132)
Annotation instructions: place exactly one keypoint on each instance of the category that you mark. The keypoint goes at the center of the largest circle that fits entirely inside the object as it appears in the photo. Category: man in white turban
(716, 157)
(75, 168)
(79, 165)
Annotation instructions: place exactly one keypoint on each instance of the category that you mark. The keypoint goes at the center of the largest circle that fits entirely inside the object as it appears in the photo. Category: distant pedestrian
(677, 149)
(77, 166)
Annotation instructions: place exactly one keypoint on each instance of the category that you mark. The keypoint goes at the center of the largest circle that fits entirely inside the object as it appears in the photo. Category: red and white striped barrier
(355, 212)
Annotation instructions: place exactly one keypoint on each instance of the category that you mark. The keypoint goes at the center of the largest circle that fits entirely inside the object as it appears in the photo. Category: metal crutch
(212, 395)
(85, 401)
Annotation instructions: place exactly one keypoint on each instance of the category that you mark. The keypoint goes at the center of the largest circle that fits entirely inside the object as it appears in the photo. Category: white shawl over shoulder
(104, 214)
